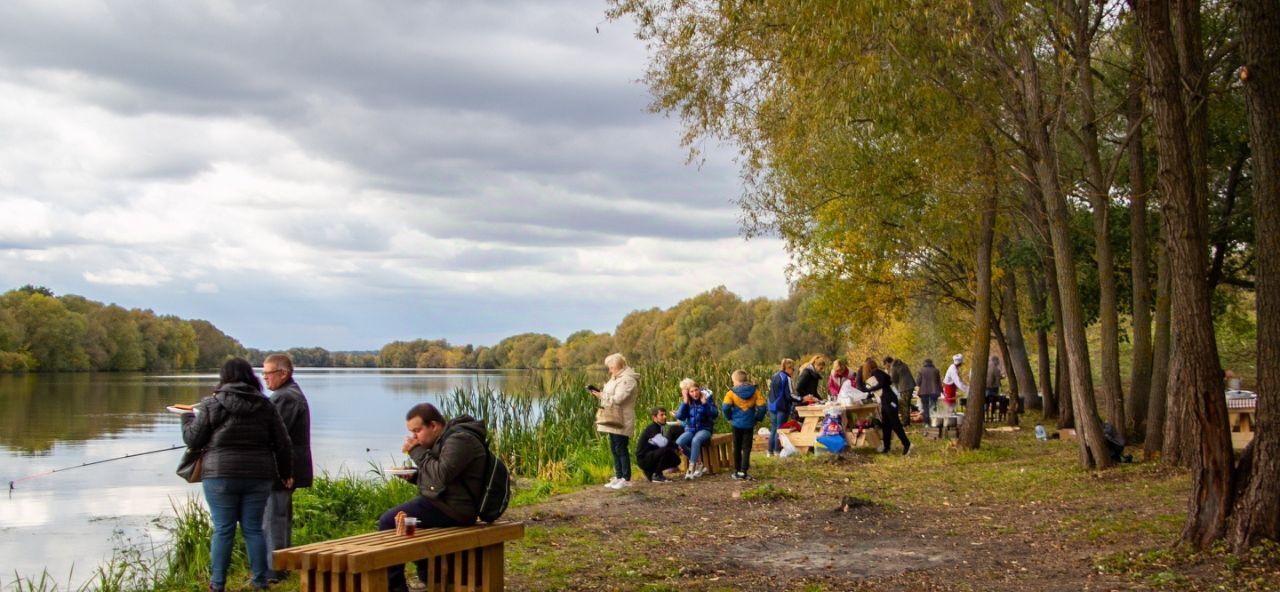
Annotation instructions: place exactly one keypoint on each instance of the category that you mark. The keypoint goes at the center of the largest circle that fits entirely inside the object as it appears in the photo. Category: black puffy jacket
(242, 435)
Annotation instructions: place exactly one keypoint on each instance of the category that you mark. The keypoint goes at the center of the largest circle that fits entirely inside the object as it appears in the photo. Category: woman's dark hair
(426, 412)
(239, 370)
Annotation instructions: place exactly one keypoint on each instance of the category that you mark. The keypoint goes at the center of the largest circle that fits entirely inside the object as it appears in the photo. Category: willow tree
(858, 143)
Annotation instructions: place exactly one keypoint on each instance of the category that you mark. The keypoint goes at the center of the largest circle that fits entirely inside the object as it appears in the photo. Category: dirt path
(933, 525)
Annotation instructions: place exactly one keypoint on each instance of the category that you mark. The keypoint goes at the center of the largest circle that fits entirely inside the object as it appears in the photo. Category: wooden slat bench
(716, 454)
(462, 558)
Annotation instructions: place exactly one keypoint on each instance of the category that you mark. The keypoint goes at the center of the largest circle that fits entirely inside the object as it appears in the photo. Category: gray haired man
(296, 413)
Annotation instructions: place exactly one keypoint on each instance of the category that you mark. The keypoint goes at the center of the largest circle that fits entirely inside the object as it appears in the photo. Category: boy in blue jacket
(744, 407)
(698, 412)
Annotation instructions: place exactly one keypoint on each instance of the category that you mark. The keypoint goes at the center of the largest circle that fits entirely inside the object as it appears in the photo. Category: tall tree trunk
(1018, 363)
(1195, 350)
(1093, 451)
(1067, 415)
(1140, 374)
(1258, 513)
(1047, 400)
(1188, 42)
(972, 428)
(1099, 194)
(1157, 401)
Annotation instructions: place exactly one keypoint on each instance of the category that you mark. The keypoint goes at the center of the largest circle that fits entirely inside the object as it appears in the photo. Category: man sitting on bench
(451, 461)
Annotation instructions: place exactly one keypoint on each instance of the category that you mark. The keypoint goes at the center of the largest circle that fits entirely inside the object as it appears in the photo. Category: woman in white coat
(616, 416)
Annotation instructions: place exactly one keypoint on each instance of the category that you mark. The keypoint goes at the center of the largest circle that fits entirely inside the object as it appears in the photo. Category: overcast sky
(347, 173)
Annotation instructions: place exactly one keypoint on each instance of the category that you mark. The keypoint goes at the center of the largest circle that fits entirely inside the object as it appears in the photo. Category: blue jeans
(429, 516)
(691, 444)
(779, 418)
(233, 501)
(621, 456)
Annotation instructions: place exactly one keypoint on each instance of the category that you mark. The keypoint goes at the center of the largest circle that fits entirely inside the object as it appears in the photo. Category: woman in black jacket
(246, 451)
(874, 379)
(810, 379)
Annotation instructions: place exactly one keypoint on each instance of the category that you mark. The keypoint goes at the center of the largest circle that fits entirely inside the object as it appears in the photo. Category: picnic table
(811, 425)
(1240, 416)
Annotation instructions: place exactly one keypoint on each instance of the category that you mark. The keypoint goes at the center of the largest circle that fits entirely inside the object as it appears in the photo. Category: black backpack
(496, 493)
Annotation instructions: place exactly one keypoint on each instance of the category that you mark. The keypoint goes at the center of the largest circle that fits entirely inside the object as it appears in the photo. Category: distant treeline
(40, 331)
(716, 324)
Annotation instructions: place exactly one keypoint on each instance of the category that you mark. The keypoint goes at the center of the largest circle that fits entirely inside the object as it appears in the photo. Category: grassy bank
(991, 519)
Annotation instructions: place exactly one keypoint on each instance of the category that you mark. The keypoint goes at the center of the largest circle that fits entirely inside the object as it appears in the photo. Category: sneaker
(746, 477)
(659, 478)
(882, 449)
(612, 482)
(906, 449)
(688, 475)
(737, 476)
(700, 471)
(622, 484)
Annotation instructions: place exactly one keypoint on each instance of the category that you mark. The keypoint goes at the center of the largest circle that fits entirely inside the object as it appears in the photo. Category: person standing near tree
(930, 383)
(286, 395)
(952, 383)
(876, 379)
(904, 383)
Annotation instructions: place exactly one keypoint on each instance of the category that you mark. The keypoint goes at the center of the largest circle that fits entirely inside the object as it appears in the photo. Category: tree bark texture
(1140, 373)
(1099, 194)
(1093, 451)
(1258, 512)
(1195, 350)
(1157, 401)
(972, 428)
(1020, 365)
(1046, 401)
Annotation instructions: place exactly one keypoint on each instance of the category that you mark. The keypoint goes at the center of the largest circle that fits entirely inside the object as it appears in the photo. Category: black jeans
(429, 516)
(890, 424)
(621, 456)
(742, 449)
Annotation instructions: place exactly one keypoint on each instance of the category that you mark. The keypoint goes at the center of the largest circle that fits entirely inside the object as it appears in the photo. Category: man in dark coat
(656, 452)
(451, 458)
(287, 396)
(904, 383)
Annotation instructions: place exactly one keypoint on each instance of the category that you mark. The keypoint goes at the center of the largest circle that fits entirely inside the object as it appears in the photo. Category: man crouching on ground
(451, 460)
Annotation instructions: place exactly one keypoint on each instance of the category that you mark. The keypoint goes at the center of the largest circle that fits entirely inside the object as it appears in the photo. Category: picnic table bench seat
(460, 558)
(716, 454)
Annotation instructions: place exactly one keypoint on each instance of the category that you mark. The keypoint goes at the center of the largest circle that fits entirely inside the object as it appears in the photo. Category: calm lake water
(69, 521)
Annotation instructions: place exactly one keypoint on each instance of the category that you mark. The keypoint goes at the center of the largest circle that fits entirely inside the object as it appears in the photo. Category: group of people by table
(671, 440)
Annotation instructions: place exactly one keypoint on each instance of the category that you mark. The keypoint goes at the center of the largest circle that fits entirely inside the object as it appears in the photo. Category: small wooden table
(461, 558)
(805, 438)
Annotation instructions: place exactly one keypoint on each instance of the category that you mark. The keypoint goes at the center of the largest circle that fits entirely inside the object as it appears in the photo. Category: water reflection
(52, 422)
(39, 411)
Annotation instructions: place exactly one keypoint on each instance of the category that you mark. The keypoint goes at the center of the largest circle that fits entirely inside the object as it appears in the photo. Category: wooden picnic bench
(460, 558)
(716, 454)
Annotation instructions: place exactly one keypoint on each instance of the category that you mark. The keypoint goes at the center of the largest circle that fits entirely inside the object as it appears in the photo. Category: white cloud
(487, 159)
(125, 277)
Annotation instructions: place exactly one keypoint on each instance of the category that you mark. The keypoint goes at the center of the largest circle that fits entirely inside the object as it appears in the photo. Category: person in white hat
(952, 383)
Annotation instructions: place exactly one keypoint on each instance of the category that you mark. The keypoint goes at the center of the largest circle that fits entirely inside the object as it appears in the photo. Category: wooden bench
(716, 454)
(461, 558)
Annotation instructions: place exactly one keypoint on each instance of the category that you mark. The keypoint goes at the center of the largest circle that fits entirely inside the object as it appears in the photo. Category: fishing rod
(96, 462)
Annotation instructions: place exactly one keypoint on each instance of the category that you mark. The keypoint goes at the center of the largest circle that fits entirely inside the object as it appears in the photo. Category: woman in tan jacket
(617, 416)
